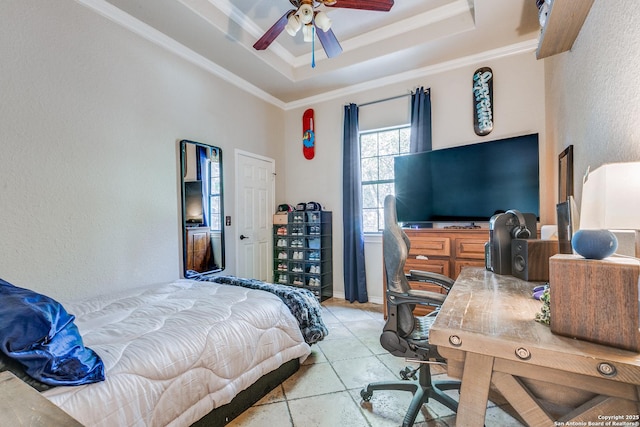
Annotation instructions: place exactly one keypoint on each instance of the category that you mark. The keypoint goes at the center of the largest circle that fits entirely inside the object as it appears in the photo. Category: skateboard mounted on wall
(308, 135)
(483, 101)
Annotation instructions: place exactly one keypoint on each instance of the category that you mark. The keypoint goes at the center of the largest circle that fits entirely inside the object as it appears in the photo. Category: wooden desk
(444, 251)
(486, 330)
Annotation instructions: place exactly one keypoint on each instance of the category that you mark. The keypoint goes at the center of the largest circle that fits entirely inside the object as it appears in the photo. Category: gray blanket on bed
(303, 304)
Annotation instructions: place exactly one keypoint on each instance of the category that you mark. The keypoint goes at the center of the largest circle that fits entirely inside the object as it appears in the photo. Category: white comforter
(174, 352)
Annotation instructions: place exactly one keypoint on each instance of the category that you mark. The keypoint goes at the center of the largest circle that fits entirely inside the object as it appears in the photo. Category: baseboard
(374, 300)
(338, 295)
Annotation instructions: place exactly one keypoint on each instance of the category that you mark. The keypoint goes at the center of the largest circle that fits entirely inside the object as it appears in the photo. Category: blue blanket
(303, 304)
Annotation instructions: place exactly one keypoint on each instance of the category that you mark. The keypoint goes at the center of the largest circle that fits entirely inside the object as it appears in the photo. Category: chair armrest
(435, 278)
(417, 296)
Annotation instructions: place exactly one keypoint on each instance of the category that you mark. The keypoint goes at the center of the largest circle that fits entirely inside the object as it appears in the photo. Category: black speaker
(530, 258)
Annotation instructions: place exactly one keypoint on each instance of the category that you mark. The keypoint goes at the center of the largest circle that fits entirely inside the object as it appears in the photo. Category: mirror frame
(184, 162)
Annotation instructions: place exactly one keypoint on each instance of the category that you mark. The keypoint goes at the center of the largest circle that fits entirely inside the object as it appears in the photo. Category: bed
(179, 352)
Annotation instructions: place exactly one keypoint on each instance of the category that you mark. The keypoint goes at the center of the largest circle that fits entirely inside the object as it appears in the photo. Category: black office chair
(404, 334)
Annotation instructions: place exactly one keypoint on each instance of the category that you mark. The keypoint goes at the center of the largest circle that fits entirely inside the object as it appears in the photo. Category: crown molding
(501, 52)
(228, 10)
(149, 33)
(417, 21)
(383, 33)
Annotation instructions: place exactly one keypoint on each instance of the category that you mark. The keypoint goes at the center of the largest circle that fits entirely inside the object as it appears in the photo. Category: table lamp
(597, 299)
(611, 201)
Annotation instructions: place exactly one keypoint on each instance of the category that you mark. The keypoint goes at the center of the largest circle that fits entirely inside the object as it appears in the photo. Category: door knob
(242, 237)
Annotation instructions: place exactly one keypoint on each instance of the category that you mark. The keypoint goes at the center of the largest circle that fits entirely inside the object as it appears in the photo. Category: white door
(255, 206)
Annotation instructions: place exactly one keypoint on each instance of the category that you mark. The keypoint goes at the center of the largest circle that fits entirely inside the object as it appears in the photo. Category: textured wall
(593, 91)
(90, 118)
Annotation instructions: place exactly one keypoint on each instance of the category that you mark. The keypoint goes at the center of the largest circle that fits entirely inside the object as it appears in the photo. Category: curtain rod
(384, 100)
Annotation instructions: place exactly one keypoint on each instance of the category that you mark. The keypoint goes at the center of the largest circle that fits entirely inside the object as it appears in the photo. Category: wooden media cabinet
(442, 250)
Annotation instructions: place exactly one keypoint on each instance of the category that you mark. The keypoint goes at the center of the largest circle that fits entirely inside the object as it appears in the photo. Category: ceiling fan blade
(379, 5)
(272, 32)
(329, 42)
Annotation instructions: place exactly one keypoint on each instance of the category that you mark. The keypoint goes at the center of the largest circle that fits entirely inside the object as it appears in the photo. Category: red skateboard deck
(308, 135)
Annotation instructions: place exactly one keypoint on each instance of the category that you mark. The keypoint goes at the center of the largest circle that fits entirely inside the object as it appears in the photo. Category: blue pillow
(38, 332)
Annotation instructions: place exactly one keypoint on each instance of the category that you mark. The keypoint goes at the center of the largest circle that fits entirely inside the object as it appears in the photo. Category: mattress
(174, 352)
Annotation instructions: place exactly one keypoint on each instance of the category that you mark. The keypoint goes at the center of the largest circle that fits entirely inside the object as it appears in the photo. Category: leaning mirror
(202, 208)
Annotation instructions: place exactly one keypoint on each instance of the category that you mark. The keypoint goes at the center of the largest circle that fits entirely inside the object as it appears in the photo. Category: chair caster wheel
(366, 395)
(407, 373)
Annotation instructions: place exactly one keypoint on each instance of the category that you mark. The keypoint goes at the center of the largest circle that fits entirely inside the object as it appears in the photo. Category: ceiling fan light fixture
(306, 13)
(308, 33)
(322, 21)
(293, 24)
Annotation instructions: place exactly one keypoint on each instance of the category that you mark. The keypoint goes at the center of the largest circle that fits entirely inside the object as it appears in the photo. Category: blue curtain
(355, 283)
(203, 174)
(420, 121)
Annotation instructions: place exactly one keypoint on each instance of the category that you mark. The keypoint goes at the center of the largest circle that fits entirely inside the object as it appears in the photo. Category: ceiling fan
(306, 16)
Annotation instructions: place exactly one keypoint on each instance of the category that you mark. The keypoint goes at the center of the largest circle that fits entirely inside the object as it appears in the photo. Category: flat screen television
(468, 183)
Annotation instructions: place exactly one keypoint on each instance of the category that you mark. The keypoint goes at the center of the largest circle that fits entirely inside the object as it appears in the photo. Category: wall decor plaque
(483, 101)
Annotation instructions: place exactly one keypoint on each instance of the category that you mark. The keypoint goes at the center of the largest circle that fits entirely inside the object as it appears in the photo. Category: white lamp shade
(293, 24)
(307, 32)
(611, 197)
(322, 21)
(306, 13)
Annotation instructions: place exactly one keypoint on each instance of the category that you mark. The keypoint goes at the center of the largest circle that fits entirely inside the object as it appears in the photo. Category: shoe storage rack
(302, 251)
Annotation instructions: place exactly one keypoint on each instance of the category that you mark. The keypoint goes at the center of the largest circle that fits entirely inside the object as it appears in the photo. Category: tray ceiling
(416, 37)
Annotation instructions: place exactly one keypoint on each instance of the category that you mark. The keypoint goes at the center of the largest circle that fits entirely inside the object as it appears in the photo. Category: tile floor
(326, 389)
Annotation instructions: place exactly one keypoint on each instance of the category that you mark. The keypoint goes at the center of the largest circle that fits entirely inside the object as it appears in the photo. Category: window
(377, 150)
(214, 198)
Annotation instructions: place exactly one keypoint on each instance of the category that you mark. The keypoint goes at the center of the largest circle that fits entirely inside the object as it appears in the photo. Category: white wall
(593, 91)
(88, 109)
(518, 109)
(90, 120)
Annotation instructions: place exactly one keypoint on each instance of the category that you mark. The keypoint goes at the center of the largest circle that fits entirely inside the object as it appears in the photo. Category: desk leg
(474, 392)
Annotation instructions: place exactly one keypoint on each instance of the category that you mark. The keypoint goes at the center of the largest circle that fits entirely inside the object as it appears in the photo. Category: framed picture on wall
(565, 174)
